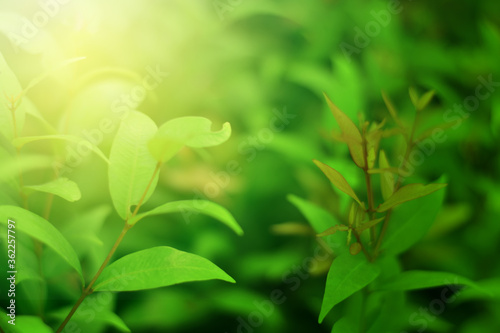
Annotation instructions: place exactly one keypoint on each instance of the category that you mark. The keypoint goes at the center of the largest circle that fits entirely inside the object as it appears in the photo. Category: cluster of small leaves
(137, 154)
(364, 143)
(384, 225)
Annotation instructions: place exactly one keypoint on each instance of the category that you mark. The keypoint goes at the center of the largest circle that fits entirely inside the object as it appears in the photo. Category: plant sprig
(364, 146)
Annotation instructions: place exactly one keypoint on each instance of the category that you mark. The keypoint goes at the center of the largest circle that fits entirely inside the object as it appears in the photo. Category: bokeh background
(248, 62)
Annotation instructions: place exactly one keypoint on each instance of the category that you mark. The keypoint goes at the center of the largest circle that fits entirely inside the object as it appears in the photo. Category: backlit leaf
(131, 166)
(337, 180)
(157, 267)
(193, 207)
(81, 317)
(350, 133)
(49, 72)
(62, 187)
(42, 230)
(407, 193)
(186, 131)
(412, 280)
(10, 88)
(10, 167)
(347, 275)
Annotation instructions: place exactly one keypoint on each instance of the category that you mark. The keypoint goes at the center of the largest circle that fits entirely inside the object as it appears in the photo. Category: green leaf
(131, 166)
(407, 193)
(350, 133)
(32, 110)
(25, 324)
(83, 229)
(345, 325)
(347, 275)
(40, 229)
(409, 223)
(9, 88)
(389, 313)
(88, 310)
(62, 187)
(20, 142)
(194, 206)
(10, 167)
(424, 100)
(414, 96)
(27, 262)
(333, 230)
(369, 224)
(49, 72)
(351, 319)
(430, 131)
(412, 280)
(392, 110)
(186, 131)
(386, 178)
(157, 267)
(337, 180)
(320, 220)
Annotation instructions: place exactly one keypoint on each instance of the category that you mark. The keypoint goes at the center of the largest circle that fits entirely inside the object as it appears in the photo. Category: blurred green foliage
(250, 63)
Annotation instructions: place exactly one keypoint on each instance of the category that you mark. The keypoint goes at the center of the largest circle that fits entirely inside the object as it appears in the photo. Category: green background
(245, 62)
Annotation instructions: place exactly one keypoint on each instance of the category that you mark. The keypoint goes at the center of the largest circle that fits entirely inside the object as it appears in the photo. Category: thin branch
(409, 148)
(88, 290)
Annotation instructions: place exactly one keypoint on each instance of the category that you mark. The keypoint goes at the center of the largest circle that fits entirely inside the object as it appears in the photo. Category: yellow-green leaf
(189, 207)
(414, 96)
(62, 187)
(43, 231)
(350, 133)
(369, 224)
(337, 180)
(355, 248)
(424, 100)
(292, 228)
(131, 166)
(407, 193)
(392, 110)
(386, 178)
(347, 275)
(157, 267)
(20, 142)
(413, 280)
(186, 131)
(10, 90)
(333, 230)
(372, 156)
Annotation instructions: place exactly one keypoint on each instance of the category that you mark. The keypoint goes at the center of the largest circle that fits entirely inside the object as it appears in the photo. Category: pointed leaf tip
(157, 267)
(337, 179)
(347, 275)
(350, 133)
